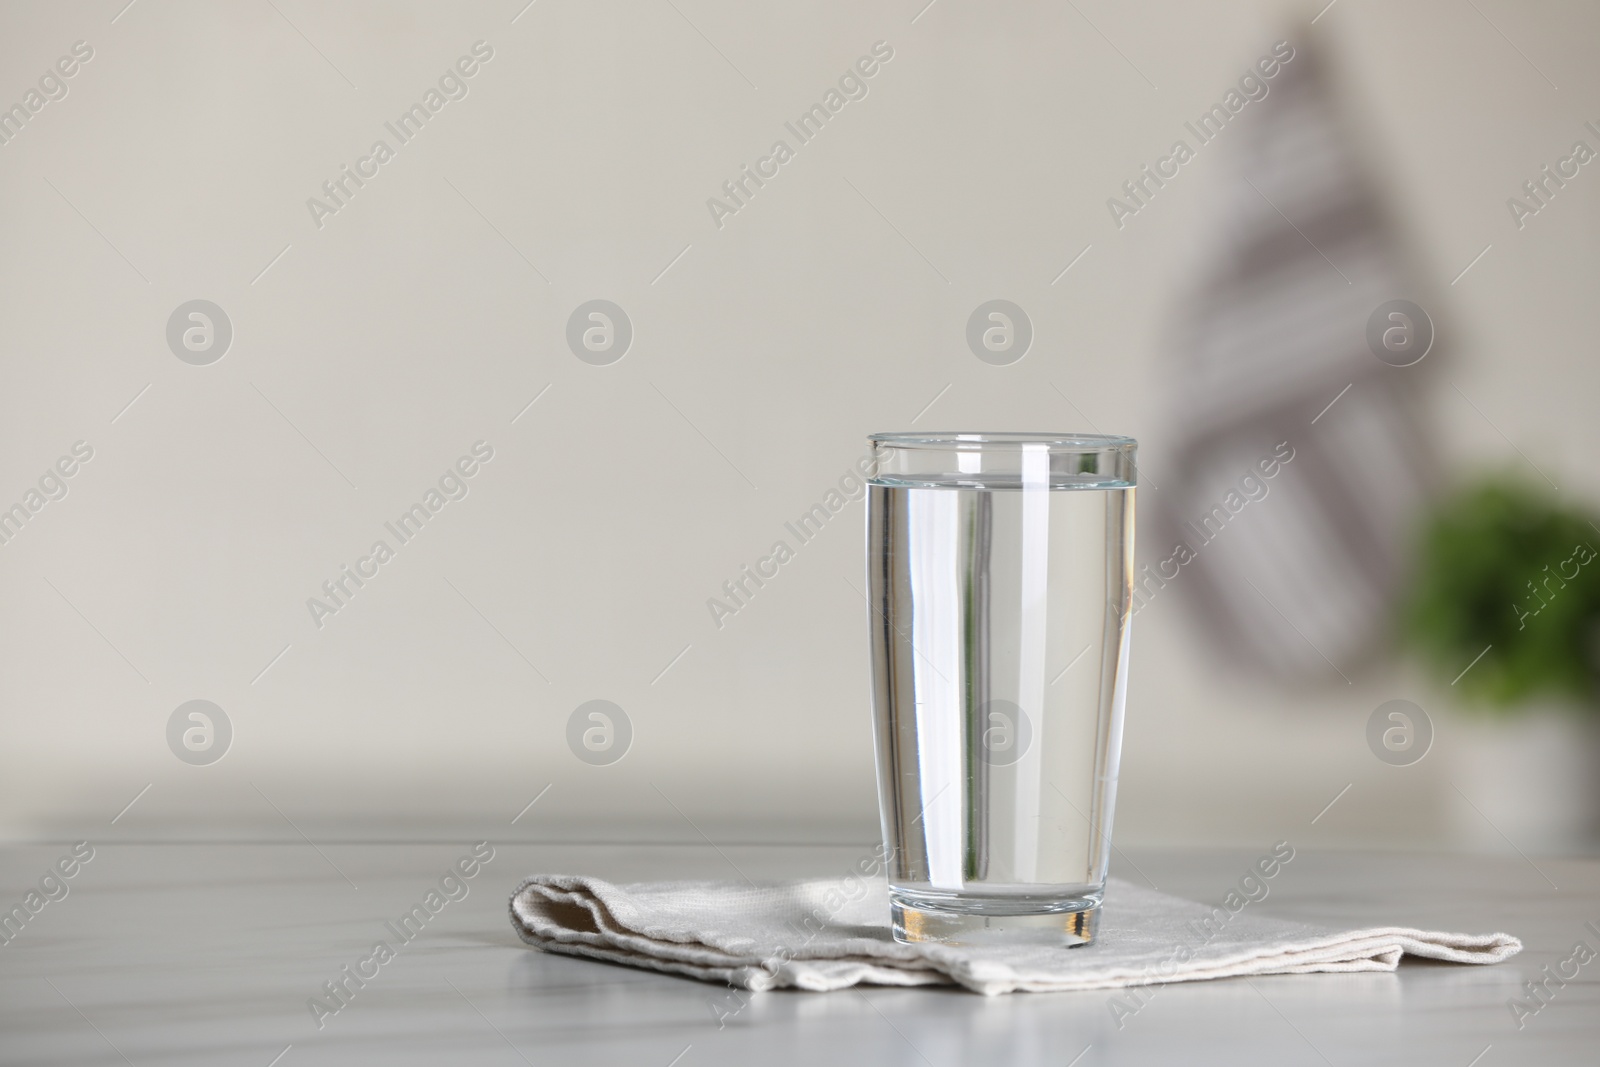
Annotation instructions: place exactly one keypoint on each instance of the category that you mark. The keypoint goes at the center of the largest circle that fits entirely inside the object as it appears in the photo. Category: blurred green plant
(1502, 564)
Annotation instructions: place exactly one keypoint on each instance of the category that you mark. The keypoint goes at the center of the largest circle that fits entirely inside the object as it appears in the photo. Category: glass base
(1075, 925)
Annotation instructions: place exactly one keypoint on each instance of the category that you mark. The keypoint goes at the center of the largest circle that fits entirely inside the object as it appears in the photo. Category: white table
(207, 953)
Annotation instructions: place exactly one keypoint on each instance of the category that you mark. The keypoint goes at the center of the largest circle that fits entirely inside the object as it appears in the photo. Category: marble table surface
(210, 952)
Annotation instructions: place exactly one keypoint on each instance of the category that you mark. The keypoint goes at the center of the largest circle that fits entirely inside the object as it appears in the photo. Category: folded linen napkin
(834, 933)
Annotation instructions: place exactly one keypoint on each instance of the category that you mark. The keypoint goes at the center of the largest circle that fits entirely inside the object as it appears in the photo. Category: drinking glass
(1000, 574)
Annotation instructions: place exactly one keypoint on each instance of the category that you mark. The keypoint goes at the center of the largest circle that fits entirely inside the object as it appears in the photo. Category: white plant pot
(1529, 779)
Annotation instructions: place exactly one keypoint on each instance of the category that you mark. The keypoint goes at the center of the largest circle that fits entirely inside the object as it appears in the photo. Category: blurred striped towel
(1299, 257)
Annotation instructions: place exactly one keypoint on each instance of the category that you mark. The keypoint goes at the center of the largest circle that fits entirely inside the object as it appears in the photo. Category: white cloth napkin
(831, 934)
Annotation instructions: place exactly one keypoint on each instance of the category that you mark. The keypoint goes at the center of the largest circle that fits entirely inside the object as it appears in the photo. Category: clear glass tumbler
(1000, 574)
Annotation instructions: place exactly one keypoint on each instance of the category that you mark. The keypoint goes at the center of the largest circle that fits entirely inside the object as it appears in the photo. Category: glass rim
(975, 441)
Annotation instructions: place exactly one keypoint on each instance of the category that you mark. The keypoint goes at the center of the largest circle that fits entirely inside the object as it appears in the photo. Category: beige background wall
(428, 312)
